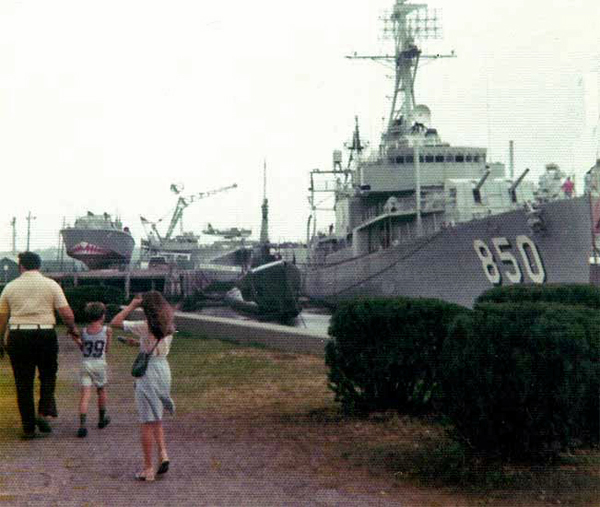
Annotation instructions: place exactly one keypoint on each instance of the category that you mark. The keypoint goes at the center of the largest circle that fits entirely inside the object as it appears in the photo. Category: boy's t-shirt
(94, 345)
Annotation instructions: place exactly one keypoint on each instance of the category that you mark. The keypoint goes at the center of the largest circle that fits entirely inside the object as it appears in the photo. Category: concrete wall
(274, 336)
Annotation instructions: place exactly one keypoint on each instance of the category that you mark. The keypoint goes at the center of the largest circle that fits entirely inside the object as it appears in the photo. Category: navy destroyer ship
(421, 218)
(98, 241)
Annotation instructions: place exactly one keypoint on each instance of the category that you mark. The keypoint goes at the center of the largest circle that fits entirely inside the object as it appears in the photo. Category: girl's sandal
(163, 468)
(141, 476)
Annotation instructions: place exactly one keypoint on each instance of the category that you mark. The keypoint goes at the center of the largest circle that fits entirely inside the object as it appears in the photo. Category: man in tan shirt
(28, 305)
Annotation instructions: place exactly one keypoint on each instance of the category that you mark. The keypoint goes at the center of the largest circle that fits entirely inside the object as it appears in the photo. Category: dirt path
(215, 461)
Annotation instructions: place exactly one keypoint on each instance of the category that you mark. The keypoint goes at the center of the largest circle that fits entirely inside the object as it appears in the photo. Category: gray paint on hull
(446, 265)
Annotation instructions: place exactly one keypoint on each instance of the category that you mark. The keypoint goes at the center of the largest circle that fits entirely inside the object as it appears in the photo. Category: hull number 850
(522, 259)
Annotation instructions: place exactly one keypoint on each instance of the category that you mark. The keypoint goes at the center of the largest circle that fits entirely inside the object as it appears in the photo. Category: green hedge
(78, 297)
(522, 379)
(385, 352)
(566, 294)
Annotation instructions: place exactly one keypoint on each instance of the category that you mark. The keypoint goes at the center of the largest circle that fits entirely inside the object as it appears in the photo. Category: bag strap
(152, 349)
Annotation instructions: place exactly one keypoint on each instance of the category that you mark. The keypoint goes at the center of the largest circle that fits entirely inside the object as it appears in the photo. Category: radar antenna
(406, 24)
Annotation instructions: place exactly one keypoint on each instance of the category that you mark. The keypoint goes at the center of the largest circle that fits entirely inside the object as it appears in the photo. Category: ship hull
(98, 248)
(458, 263)
(271, 290)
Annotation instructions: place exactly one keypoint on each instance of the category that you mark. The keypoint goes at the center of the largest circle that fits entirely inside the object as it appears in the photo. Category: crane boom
(184, 202)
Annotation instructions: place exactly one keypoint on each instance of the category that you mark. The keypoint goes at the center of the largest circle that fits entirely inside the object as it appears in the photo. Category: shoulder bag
(140, 364)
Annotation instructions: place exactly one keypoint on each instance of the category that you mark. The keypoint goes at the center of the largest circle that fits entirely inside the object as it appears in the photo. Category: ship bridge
(397, 169)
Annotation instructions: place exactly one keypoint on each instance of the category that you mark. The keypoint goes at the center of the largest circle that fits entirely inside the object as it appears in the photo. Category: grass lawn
(261, 393)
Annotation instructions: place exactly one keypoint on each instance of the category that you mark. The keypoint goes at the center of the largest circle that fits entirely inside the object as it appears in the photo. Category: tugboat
(421, 218)
(98, 241)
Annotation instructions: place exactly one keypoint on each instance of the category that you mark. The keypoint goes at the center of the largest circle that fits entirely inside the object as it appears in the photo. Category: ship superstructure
(420, 217)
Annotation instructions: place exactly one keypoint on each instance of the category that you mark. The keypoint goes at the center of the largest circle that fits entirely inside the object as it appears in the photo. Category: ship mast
(264, 227)
(404, 25)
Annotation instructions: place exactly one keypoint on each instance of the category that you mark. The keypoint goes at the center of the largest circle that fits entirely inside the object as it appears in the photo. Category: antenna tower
(404, 25)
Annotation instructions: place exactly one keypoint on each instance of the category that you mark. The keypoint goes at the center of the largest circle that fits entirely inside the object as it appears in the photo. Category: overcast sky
(104, 104)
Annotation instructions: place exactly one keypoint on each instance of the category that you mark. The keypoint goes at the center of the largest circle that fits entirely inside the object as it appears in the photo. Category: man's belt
(29, 327)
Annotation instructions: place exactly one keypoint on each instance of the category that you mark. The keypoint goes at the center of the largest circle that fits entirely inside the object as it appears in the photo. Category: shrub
(384, 352)
(111, 310)
(566, 294)
(78, 297)
(522, 380)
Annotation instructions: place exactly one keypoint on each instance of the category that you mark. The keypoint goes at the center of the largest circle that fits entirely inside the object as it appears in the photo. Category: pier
(273, 336)
(171, 282)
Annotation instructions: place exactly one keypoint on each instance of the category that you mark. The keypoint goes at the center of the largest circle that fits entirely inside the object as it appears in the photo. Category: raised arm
(120, 317)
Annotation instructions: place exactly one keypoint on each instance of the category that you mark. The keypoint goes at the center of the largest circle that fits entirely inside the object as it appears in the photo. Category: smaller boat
(98, 241)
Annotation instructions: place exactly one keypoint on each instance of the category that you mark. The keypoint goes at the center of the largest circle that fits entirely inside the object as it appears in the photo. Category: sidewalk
(214, 461)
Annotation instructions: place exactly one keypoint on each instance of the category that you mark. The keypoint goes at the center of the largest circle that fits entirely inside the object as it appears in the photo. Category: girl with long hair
(153, 390)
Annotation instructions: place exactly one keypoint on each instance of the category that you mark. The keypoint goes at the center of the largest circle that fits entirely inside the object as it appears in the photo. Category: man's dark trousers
(28, 350)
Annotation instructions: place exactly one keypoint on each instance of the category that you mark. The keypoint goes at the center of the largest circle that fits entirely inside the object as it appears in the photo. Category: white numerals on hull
(531, 263)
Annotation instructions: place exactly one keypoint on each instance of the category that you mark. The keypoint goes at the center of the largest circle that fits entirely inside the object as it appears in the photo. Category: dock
(272, 336)
(171, 281)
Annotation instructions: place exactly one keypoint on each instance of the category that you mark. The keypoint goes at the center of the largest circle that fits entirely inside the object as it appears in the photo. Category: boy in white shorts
(94, 344)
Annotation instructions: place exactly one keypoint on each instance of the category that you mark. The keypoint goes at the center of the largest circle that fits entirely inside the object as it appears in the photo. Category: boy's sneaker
(104, 422)
(82, 432)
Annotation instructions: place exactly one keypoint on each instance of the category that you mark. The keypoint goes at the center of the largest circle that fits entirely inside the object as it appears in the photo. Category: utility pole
(29, 219)
(61, 246)
(13, 223)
